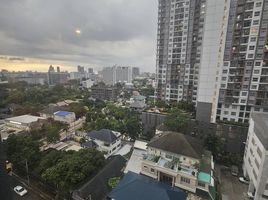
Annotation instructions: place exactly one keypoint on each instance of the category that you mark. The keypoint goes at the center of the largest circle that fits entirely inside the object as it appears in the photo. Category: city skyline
(80, 33)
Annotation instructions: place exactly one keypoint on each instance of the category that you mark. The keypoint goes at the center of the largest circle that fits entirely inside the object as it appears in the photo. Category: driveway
(231, 188)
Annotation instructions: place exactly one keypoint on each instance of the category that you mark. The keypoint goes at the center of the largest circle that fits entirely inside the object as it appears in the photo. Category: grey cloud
(46, 29)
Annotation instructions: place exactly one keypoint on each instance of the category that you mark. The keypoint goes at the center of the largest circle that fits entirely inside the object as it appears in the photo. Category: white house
(256, 156)
(179, 161)
(108, 141)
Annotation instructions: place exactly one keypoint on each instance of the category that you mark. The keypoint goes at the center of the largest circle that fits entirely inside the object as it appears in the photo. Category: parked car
(234, 170)
(20, 190)
(250, 195)
(243, 180)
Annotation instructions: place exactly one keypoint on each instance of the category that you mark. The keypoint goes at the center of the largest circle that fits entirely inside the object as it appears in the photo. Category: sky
(67, 33)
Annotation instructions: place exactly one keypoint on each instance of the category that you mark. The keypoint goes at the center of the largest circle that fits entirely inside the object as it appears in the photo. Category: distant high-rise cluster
(214, 53)
(57, 77)
(115, 74)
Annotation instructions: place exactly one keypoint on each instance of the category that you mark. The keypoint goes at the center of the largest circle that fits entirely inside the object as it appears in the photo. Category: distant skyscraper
(80, 69)
(58, 69)
(135, 72)
(57, 77)
(115, 74)
(51, 69)
(90, 70)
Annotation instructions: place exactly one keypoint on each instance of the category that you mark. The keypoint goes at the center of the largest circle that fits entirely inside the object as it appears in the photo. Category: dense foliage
(177, 120)
(114, 118)
(62, 169)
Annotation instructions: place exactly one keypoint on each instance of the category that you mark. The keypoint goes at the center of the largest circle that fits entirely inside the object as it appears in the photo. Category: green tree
(214, 144)
(133, 127)
(177, 120)
(22, 148)
(73, 168)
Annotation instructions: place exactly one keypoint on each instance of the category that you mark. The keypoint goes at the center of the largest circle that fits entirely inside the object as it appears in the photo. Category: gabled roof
(178, 143)
(97, 188)
(89, 144)
(134, 186)
(104, 135)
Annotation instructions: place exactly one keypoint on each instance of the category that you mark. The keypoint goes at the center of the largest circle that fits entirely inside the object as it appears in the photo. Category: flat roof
(63, 113)
(134, 163)
(24, 119)
(140, 145)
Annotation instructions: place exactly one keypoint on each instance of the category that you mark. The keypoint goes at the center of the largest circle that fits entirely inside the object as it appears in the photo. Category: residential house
(108, 141)
(256, 156)
(134, 186)
(180, 161)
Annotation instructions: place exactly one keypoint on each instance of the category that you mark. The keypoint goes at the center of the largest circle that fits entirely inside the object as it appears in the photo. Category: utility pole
(27, 171)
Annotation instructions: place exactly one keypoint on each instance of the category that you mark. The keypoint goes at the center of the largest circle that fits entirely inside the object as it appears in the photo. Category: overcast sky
(43, 32)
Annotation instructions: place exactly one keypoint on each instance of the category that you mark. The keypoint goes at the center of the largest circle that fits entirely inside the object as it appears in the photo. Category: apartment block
(180, 161)
(115, 74)
(233, 78)
(179, 42)
(256, 156)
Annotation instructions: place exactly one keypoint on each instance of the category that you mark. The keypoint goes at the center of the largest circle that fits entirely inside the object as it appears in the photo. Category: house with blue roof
(135, 186)
(64, 116)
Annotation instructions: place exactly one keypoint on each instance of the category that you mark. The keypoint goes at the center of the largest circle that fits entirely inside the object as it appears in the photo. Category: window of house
(233, 113)
(201, 184)
(152, 170)
(185, 180)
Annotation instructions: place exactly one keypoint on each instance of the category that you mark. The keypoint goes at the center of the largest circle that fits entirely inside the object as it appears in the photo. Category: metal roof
(24, 119)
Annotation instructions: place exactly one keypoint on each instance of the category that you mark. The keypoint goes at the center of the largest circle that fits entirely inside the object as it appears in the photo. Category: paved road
(31, 195)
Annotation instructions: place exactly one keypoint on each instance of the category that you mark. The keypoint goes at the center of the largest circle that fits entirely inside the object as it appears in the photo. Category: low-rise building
(23, 122)
(180, 161)
(108, 141)
(256, 156)
(103, 92)
(64, 116)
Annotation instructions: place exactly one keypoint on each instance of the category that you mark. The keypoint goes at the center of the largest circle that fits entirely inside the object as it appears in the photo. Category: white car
(20, 190)
(243, 180)
(250, 195)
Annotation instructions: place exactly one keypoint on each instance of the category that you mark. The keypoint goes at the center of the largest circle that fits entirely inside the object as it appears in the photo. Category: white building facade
(256, 156)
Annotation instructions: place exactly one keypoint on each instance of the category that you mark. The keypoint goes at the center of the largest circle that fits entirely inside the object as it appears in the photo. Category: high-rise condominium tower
(241, 82)
(179, 41)
(214, 53)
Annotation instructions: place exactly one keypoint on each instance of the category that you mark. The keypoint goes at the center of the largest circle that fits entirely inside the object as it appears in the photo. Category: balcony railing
(174, 165)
